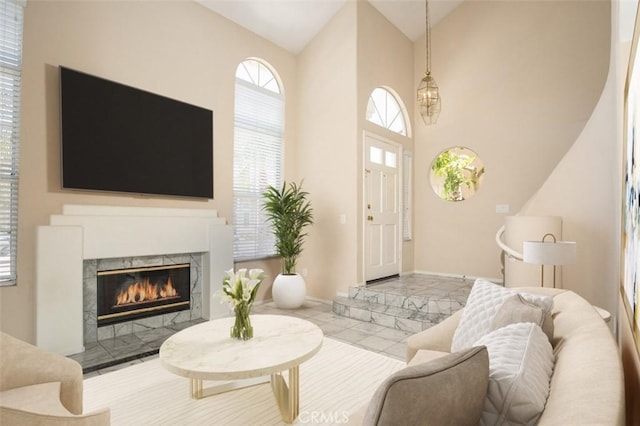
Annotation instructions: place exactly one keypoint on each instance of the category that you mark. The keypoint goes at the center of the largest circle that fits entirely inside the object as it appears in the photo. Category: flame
(142, 291)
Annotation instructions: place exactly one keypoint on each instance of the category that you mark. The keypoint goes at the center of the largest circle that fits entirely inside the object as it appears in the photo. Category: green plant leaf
(289, 212)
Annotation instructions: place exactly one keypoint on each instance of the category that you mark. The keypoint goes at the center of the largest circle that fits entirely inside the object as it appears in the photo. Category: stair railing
(508, 250)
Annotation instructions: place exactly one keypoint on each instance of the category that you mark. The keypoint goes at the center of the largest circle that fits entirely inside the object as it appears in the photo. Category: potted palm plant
(289, 212)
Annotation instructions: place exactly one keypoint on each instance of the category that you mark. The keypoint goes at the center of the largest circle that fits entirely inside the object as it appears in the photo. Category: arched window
(384, 110)
(257, 156)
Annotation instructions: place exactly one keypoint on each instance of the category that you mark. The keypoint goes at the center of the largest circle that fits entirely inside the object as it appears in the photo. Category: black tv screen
(118, 138)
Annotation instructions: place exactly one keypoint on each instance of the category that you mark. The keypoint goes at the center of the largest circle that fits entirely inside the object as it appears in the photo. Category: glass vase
(242, 328)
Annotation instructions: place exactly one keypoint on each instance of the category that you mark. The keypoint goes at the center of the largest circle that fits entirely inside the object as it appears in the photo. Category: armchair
(39, 387)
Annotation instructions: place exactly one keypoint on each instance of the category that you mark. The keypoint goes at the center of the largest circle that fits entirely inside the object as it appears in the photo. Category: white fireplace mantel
(99, 232)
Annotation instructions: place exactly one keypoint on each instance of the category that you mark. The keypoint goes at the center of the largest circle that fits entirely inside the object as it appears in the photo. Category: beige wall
(589, 173)
(385, 59)
(358, 51)
(177, 49)
(518, 81)
(181, 50)
(592, 214)
(327, 153)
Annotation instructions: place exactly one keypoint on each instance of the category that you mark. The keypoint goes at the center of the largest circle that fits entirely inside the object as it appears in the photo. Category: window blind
(257, 163)
(11, 20)
(407, 171)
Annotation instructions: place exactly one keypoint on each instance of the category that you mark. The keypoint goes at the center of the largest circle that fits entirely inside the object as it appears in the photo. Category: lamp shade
(549, 253)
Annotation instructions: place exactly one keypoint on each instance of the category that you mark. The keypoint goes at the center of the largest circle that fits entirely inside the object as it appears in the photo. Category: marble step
(396, 317)
(436, 301)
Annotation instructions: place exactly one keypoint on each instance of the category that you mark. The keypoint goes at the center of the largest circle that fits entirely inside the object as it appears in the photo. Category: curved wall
(519, 80)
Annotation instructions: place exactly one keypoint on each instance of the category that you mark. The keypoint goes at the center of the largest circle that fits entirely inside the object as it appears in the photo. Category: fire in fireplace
(127, 294)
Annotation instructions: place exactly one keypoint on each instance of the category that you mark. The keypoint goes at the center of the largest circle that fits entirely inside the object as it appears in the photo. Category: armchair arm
(22, 364)
(436, 338)
(36, 405)
(14, 416)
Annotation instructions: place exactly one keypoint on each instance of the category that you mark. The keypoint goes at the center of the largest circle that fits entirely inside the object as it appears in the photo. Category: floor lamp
(549, 252)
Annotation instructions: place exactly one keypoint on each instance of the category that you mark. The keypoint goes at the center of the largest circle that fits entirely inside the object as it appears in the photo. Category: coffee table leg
(196, 388)
(198, 391)
(288, 396)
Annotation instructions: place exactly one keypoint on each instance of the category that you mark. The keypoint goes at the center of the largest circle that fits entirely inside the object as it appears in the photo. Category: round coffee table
(206, 352)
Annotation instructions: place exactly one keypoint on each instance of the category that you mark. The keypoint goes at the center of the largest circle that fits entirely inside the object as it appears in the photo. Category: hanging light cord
(428, 35)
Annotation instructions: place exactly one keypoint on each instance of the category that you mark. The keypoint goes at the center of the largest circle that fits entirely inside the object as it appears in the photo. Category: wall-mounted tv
(118, 138)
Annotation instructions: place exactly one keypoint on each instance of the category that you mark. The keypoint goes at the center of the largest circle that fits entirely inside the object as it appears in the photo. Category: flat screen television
(118, 138)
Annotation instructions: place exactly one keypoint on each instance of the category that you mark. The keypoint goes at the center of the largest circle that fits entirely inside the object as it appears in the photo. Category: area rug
(335, 383)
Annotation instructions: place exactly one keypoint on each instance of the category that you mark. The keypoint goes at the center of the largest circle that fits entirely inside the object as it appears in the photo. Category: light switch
(502, 208)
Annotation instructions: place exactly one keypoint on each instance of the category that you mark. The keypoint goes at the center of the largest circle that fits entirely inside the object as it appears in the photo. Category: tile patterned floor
(111, 354)
(100, 358)
(411, 303)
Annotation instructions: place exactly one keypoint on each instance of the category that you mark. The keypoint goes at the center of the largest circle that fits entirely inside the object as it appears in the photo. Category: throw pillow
(483, 303)
(520, 367)
(449, 390)
(517, 309)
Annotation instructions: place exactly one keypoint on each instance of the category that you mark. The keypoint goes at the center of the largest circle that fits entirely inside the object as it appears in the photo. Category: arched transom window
(384, 110)
(257, 73)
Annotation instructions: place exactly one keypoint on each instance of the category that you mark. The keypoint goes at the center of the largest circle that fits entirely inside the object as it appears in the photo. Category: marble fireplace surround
(93, 333)
(84, 232)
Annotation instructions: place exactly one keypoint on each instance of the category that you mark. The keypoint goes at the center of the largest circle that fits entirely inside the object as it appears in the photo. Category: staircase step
(410, 303)
(410, 320)
(437, 302)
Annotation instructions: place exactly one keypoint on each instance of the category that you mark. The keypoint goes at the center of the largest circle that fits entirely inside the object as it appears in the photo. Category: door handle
(369, 218)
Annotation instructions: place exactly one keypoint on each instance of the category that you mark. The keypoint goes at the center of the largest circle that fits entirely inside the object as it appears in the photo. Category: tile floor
(113, 354)
(97, 358)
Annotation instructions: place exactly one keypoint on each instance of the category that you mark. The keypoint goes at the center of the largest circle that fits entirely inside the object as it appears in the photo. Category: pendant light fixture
(428, 93)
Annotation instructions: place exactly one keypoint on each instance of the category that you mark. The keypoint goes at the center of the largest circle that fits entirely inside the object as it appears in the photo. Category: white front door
(381, 208)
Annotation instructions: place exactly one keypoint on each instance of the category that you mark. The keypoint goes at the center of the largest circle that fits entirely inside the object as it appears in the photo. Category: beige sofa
(41, 388)
(587, 386)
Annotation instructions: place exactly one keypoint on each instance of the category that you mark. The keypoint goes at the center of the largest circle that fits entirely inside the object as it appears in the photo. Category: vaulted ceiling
(291, 24)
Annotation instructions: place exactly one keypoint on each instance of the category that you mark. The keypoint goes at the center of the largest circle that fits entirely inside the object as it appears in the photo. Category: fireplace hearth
(134, 293)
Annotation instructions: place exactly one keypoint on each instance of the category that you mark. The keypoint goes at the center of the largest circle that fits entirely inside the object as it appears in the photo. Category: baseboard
(464, 277)
(309, 298)
(318, 300)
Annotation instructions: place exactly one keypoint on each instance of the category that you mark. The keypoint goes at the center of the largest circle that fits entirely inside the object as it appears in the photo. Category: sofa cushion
(430, 391)
(520, 367)
(483, 303)
(517, 309)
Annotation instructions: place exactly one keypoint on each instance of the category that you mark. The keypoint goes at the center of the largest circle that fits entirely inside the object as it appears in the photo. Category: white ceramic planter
(288, 291)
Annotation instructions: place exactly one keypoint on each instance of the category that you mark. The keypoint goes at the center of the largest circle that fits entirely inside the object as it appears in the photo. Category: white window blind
(257, 162)
(407, 205)
(11, 19)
